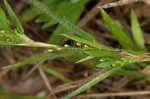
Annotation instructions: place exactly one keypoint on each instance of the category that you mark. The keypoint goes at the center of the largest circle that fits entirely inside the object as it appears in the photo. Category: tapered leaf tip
(5, 2)
(101, 10)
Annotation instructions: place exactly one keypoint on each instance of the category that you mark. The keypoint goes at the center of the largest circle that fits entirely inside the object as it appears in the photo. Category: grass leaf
(14, 18)
(120, 35)
(105, 64)
(91, 83)
(56, 74)
(102, 53)
(60, 53)
(3, 20)
(136, 31)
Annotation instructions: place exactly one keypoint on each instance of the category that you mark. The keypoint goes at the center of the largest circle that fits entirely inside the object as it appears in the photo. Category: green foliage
(9, 36)
(91, 83)
(56, 74)
(119, 62)
(106, 63)
(62, 52)
(102, 53)
(145, 22)
(14, 18)
(102, 56)
(136, 31)
(59, 7)
(3, 20)
(92, 43)
(120, 34)
(65, 23)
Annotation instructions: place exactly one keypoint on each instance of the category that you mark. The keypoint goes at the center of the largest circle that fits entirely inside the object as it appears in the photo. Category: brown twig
(33, 69)
(78, 83)
(119, 3)
(48, 85)
(91, 14)
(133, 93)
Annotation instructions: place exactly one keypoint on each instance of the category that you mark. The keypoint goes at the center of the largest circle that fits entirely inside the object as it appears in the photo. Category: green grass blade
(32, 12)
(101, 53)
(3, 20)
(136, 31)
(120, 35)
(91, 83)
(84, 41)
(105, 64)
(68, 25)
(60, 53)
(145, 22)
(6, 43)
(29, 14)
(14, 17)
(29, 61)
(56, 74)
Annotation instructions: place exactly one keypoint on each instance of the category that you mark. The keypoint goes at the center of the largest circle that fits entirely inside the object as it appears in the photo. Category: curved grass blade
(14, 18)
(91, 83)
(29, 14)
(56, 74)
(60, 53)
(136, 31)
(120, 35)
(3, 20)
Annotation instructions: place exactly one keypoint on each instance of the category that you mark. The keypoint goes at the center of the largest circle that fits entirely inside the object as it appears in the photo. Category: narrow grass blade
(3, 20)
(136, 31)
(29, 61)
(91, 83)
(105, 64)
(56, 74)
(120, 35)
(60, 53)
(101, 53)
(145, 22)
(14, 18)
(29, 14)
(84, 41)
(6, 43)
(68, 25)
